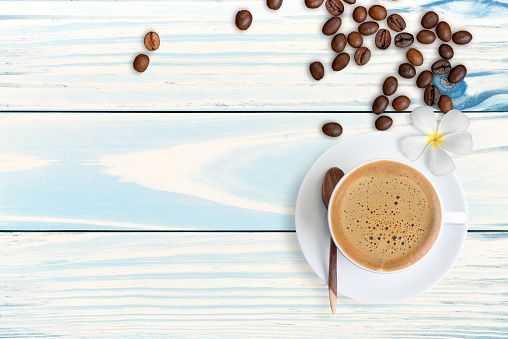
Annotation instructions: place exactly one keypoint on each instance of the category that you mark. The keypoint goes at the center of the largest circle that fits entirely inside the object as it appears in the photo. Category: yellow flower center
(435, 139)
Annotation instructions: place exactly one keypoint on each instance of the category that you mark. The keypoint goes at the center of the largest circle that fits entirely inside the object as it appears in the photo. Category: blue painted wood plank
(70, 55)
(198, 171)
(225, 285)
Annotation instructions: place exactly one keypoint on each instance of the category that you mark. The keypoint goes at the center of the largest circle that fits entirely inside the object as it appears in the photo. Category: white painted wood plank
(198, 171)
(225, 285)
(70, 55)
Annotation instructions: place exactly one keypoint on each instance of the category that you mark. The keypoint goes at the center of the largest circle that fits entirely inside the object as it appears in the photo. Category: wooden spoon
(332, 177)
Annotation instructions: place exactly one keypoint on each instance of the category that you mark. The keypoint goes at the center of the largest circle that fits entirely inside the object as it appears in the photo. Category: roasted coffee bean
(396, 23)
(362, 56)
(445, 104)
(332, 129)
(462, 37)
(332, 26)
(141, 62)
(430, 20)
(383, 39)
(313, 3)
(340, 62)
(444, 32)
(351, 2)
(339, 42)
(355, 39)
(401, 103)
(317, 70)
(431, 95)
(368, 28)
(243, 20)
(407, 70)
(446, 51)
(383, 123)
(404, 40)
(390, 85)
(426, 37)
(380, 104)
(360, 14)
(424, 79)
(152, 41)
(334, 7)
(274, 4)
(457, 74)
(377, 12)
(414, 56)
(441, 67)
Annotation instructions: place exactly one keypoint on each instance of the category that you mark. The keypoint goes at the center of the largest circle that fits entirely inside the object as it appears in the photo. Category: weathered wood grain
(198, 171)
(225, 285)
(75, 55)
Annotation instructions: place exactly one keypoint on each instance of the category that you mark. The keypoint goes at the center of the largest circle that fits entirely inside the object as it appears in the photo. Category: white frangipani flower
(450, 135)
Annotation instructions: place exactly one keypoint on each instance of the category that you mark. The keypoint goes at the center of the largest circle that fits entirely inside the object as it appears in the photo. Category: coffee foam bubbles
(385, 216)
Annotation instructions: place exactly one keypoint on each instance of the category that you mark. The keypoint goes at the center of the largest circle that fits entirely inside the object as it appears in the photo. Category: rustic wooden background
(118, 220)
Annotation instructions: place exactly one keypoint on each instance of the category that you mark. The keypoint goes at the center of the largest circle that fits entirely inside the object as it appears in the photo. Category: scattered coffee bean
(152, 41)
(332, 129)
(317, 70)
(445, 104)
(274, 4)
(368, 28)
(407, 70)
(377, 12)
(243, 20)
(383, 39)
(396, 23)
(462, 37)
(441, 67)
(431, 95)
(141, 62)
(424, 79)
(414, 56)
(355, 39)
(332, 26)
(457, 74)
(430, 20)
(383, 123)
(340, 62)
(380, 104)
(404, 40)
(446, 51)
(362, 56)
(401, 103)
(339, 42)
(351, 2)
(359, 14)
(444, 32)
(390, 85)
(334, 7)
(313, 3)
(426, 37)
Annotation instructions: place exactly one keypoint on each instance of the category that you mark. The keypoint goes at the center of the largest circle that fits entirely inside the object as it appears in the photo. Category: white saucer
(353, 281)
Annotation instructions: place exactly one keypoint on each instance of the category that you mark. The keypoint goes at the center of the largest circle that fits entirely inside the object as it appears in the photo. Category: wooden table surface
(162, 204)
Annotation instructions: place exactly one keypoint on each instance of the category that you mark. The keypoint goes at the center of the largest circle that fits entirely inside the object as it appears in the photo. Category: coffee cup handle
(451, 217)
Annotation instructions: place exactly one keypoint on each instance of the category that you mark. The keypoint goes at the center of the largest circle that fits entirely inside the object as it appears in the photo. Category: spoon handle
(332, 276)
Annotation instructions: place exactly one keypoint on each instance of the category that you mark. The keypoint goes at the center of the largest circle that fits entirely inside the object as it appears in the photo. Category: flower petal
(414, 146)
(424, 119)
(458, 142)
(453, 121)
(440, 162)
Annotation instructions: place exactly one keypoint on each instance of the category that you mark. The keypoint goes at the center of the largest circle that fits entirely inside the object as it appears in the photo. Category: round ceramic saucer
(353, 281)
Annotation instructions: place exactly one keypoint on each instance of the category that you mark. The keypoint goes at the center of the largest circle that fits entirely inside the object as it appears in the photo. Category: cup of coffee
(385, 216)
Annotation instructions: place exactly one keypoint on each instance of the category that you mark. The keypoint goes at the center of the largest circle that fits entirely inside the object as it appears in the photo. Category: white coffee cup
(447, 217)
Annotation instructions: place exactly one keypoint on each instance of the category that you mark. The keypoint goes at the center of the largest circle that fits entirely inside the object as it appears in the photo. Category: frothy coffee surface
(386, 216)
